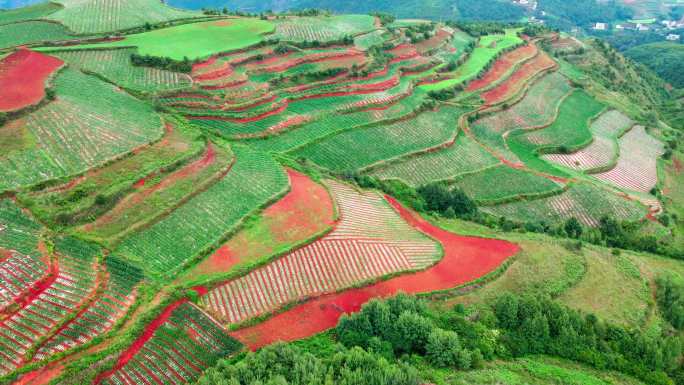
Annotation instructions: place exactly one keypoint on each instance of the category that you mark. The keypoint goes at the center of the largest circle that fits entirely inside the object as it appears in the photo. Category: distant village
(671, 30)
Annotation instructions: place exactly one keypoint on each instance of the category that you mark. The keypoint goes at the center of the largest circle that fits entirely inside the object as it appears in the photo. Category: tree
(573, 228)
(443, 348)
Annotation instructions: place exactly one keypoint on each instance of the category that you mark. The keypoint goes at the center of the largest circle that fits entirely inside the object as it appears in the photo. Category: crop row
(515, 83)
(462, 157)
(204, 220)
(88, 125)
(369, 241)
(636, 167)
(358, 148)
(73, 282)
(115, 65)
(585, 202)
(182, 347)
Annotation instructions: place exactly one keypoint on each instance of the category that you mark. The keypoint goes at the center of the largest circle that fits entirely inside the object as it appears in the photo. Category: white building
(600, 26)
(672, 37)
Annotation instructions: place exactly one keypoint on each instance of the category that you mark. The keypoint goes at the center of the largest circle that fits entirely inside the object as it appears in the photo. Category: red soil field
(433, 42)
(465, 259)
(516, 81)
(304, 212)
(22, 78)
(41, 376)
(503, 65)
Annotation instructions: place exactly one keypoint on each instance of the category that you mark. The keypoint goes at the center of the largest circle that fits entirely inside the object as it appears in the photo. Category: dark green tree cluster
(165, 63)
(537, 325)
(670, 297)
(385, 18)
(494, 10)
(448, 201)
(282, 364)
(307, 77)
(401, 326)
(567, 14)
(479, 28)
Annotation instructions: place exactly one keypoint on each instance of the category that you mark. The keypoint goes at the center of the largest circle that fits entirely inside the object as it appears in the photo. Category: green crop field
(586, 202)
(323, 29)
(569, 130)
(96, 16)
(31, 32)
(358, 148)
(207, 218)
(113, 181)
(31, 12)
(195, 40)
(463, 157)
(370, 39)
(115, 65)
(21, 233)
(91, 123)
(479, 185)
(486, 50)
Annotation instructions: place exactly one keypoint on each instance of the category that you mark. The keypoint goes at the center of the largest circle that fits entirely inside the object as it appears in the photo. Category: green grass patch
(196, 40)
(512, 184)
(31, 32)
(32, 12)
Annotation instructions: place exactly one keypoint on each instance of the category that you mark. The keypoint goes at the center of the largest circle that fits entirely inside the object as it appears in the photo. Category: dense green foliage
(282, 364)
(666, 59)
(447, 201)
(537, 325)
(582, 12)
(670, 296)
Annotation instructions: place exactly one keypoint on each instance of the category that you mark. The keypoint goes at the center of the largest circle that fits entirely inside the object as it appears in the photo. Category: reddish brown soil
(678, 165)
(22, 78)
(41, 376)
(465, 259)
(516, 81)
(304, 212)
(502, 66)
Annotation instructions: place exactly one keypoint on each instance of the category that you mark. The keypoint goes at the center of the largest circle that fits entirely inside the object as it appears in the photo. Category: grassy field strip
(31, 12)
(369, 241)
(32, 32)
(205, 220)
(636, 166)
(519, 185)
(195, 40)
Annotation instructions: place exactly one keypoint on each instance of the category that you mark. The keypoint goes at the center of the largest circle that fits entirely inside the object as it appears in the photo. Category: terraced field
(585, 202)
(369, 241)
(603, 151)
(323, 29)
(519, 184)
(115, 66)
(96, 16)
(569, 131)
(464, 156)
(361, 148)
(536, 109)
(154, 222)
(636, 166)
(205, 220)
(89, 125)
